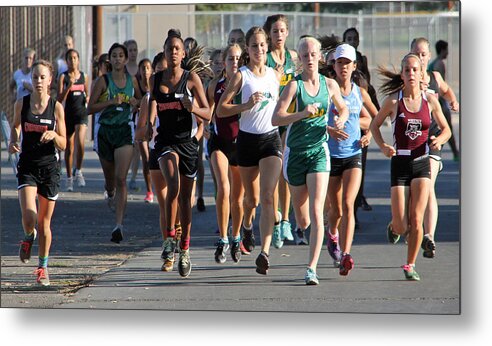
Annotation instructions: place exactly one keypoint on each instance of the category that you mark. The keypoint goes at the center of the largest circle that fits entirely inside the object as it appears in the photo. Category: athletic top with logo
(289, 68)
(176, 124)
(308, 133)
(33, 152)
(228, 127)
(258, 120)
(76, 101)
(117, 115)
(20, 78)
(350, 146)
(411, 129)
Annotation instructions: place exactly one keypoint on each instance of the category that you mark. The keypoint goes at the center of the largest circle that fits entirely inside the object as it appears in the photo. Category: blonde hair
(304, 41)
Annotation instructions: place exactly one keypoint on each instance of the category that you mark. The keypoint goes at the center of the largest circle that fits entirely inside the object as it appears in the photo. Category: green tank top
(289, 68)
(118, 115)
(308, 133)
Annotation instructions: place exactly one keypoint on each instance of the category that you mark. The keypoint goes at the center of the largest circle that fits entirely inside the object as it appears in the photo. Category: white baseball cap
(345, 51)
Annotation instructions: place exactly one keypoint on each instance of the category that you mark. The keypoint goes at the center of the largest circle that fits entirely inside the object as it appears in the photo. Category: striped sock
(43, 262)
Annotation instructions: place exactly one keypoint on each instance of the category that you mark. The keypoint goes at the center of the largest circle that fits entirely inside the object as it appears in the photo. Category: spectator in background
(21, 84)
(439, 66)
(61, 64)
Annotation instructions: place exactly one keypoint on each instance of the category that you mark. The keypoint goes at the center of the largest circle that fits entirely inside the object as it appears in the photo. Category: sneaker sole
(236, 258)
(262, 265)
(116, 238)
(312, 282)
(167, 266)
(391, 239)
(184, 274)
(346, 268)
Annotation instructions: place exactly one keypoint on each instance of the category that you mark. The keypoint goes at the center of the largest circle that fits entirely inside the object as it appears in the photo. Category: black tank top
(176, 124)
(434, 129)
(75, 103)
(33, 126)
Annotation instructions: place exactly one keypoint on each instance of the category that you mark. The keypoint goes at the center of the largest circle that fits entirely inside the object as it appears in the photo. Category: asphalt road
(88, 271)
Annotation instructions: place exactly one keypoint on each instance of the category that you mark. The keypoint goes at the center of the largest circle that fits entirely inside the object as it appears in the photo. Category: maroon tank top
(411, 129)
(225, 128)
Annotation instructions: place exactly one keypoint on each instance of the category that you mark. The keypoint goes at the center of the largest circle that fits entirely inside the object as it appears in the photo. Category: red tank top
(411, 129)
(226, 128)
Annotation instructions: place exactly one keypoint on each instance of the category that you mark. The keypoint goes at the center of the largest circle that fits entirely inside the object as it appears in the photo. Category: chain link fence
(384, 38)
(42, 28)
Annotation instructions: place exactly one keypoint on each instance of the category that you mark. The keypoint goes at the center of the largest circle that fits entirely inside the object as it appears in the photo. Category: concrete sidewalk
(88, 271)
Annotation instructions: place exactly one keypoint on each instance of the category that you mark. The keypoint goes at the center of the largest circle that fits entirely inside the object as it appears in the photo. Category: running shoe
(149, 197)
(117, 235)
(346, 264)
(334, 250)
(79, 178)
(429, 247)
(167, 255)
(262, 263)
(236, 251)
(410, 272)
(300, 237)
(43, 278)
(392, 237)
(220, 252)
(311, 278)
(248, 237)
(365, 206)
(286, 231)
(25, 248)
(69, 184)
(276, 236)
(200, 204)
(184, 263)
(243, 249)
(110, 200)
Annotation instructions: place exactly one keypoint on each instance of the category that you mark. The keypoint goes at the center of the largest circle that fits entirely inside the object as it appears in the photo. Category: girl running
(41, 120)
(410, 110)
(284, 60)
(346, 158)
(259, 149)
(303, 106)
(143, 78)
(114, 97)
(180, 100)
(223, 153)
(433, 83)
(73, 92)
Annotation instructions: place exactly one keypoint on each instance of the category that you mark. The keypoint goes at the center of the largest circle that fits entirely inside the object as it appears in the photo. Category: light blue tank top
(350, 146)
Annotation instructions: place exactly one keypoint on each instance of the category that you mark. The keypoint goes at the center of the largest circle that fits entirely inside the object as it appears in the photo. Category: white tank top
(258, 120)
